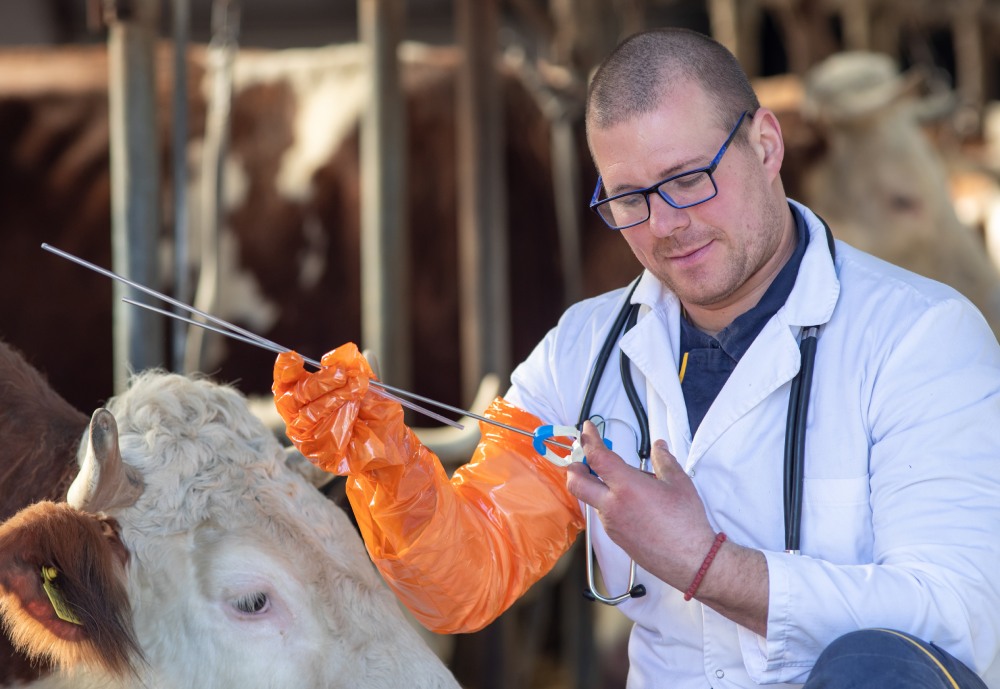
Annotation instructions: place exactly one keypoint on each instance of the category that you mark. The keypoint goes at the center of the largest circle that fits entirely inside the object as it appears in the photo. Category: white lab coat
(901, 509)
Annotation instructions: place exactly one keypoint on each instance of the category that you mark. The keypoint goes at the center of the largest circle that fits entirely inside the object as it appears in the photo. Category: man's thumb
(664, 463)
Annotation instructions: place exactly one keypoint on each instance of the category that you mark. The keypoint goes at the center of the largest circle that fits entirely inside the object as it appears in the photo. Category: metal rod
(255, 339)
(178, 143)
(279, 350)
(159, 295)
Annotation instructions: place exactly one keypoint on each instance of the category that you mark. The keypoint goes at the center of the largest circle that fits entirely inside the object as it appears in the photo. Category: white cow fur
(223, 517)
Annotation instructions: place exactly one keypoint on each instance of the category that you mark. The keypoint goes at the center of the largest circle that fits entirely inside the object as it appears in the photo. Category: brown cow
(39, 436)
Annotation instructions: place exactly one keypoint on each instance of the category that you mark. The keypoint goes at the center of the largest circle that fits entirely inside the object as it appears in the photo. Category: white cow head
(238, 572)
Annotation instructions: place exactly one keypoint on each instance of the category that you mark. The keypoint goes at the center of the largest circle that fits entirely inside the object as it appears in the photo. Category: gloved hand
(332, 416)
(457, 552)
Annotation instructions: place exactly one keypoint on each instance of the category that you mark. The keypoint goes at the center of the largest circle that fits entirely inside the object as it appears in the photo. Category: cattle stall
(293, 227)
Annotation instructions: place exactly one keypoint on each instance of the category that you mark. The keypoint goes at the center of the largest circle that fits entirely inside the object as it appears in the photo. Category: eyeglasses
(680, 191)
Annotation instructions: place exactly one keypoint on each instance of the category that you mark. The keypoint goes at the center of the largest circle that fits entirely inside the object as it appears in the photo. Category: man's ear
(767, 141)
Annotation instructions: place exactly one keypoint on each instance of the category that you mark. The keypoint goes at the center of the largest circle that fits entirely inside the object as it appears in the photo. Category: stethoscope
(795, 431)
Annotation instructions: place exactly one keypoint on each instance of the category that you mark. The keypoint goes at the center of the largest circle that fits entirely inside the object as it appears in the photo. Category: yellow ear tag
(63, 612)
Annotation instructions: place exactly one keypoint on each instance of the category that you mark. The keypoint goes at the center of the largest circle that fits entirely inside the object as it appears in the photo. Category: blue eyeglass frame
(595, 201)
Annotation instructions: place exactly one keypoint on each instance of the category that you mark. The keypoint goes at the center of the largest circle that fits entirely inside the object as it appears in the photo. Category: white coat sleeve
(934, 467)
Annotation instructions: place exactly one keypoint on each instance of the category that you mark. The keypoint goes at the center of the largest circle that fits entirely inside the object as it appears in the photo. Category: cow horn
(105, 482)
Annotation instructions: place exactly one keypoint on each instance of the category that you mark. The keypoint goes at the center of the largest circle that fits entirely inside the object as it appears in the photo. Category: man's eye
(689, 181)
(630, 201)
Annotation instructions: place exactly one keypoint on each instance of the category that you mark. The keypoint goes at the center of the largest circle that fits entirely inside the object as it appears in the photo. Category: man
(892, 579)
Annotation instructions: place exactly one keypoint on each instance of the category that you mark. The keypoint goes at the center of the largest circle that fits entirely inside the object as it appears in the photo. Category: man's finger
(603, 461)
(584, 486)
(664, 463)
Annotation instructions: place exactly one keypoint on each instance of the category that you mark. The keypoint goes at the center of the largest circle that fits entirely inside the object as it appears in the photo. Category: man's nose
(664, 219)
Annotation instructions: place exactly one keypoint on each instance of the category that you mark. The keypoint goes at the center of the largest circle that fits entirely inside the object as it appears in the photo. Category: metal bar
(135, 181)
(385, 312)
(483, 261)
(221, 58)
(179, 141)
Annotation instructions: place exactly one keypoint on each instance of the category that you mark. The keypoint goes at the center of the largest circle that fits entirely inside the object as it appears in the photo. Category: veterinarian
(822, 498)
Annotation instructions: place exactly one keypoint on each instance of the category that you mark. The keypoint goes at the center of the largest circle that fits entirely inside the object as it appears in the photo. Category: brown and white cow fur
(195, 552)
(39, 436)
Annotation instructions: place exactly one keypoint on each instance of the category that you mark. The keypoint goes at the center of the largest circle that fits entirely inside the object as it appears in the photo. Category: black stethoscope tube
(795, 440)
(626, 318)
(602, 357)
(645, 447)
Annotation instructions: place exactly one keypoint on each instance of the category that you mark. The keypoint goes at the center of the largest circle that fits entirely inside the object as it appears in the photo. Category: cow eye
(252, 603)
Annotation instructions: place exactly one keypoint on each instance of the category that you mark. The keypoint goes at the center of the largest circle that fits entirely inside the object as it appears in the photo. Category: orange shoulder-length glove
(456, 552)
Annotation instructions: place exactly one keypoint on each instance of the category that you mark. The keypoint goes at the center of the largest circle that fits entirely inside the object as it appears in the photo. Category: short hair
(634, 78)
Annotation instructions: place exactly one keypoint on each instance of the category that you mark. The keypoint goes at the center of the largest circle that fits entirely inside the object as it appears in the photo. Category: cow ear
(76, 611)
(105, 482)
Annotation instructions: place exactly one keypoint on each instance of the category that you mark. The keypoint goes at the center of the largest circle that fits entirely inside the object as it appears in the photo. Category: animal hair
(85, 550)
(39, 436)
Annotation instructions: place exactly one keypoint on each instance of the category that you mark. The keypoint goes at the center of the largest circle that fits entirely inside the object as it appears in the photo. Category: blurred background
(412, 175)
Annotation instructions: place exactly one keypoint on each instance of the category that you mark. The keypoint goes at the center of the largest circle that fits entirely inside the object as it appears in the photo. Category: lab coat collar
(817, 287)
(652, 346)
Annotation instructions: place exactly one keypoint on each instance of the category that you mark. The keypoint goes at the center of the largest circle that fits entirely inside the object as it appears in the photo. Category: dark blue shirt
(710, 360)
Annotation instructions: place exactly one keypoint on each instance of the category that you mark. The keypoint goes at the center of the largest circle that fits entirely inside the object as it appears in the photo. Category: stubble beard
(740, 262)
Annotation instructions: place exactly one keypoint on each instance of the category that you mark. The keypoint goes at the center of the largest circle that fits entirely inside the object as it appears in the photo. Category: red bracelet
(720, 538)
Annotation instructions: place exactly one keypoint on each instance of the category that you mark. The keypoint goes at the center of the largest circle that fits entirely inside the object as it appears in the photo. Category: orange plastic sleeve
(457, 551)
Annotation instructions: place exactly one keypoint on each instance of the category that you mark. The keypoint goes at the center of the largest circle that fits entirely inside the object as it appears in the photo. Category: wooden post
(856, 20)
(384, 274)
(482, 219)
(135, 185)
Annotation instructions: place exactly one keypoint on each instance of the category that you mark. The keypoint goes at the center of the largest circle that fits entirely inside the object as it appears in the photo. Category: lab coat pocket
(836, 519)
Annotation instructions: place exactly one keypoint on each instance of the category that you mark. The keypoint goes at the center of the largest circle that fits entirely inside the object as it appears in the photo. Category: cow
(882, 184)
(194, 550)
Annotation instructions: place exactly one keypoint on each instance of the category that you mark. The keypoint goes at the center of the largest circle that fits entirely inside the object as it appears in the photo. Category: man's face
(718, 253)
